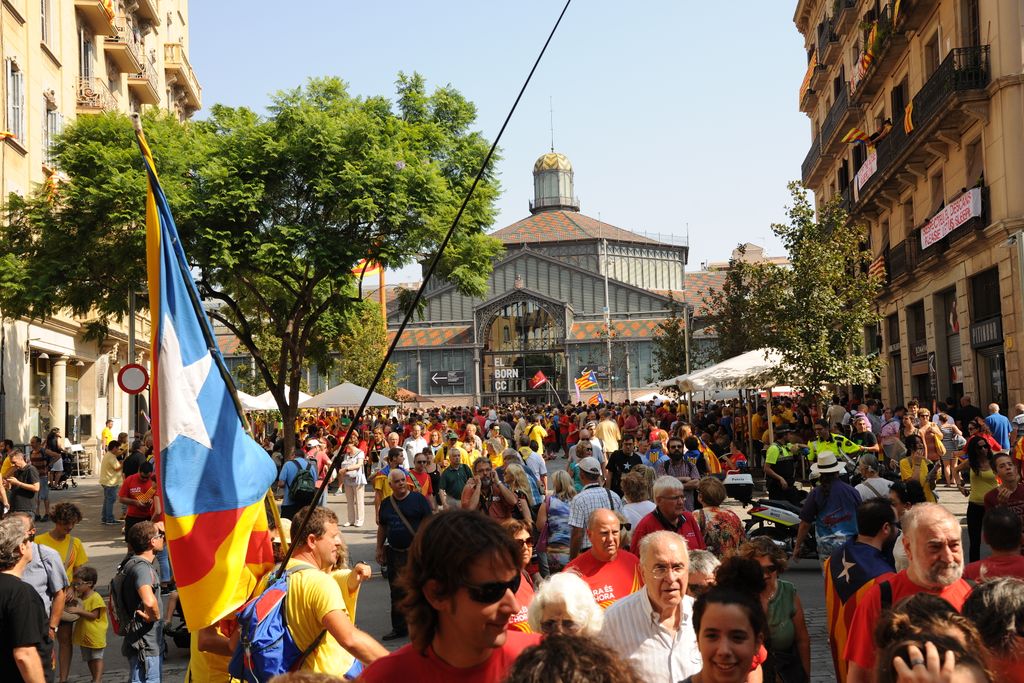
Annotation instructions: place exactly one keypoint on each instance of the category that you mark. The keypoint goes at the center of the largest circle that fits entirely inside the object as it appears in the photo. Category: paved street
(105, 548)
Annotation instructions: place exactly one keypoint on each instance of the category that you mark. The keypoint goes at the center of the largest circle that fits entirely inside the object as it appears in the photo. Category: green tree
(365, 341)
(742, 313)
(273, 210)
(829, 297)
(670, 343)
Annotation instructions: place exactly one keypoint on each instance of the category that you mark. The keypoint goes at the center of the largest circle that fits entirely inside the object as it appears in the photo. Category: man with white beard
(931, 537)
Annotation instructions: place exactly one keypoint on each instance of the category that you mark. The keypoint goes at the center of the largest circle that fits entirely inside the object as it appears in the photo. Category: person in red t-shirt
(422, 477)
(462, 577)
(138, 492)
(611, 573)
(1001, 531)
(669, 515)
(523, 539)
(931, 537)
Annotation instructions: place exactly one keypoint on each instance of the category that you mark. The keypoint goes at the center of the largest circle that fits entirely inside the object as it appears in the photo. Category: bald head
(604, 533)
(993, 408)
(601, 516)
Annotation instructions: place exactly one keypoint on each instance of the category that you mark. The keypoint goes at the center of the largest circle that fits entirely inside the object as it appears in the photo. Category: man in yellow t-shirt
(316, 603)
(106, 435)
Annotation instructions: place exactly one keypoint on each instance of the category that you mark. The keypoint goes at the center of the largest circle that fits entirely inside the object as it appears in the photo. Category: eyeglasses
(556, 625)
(523, 542)
(678, 497)
(660, 571)
(161, 534)
(31, 537)
(490, 593)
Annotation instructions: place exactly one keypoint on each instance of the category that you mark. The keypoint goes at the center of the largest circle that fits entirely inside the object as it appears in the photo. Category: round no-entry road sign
(133, 379)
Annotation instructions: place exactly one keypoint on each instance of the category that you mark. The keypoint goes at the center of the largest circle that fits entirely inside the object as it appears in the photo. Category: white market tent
(270, 403)
(346, 395)
(250, 402)
(746, 370)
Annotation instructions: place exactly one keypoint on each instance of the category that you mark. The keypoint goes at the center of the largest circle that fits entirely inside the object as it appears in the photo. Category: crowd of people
(578, 543)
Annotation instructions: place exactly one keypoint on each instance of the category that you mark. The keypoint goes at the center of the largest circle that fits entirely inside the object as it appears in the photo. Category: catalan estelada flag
(213, 476)
(596, 400)
(850, 572)
(856, 135)
(868, 56)
(586, 381)
(365, 267)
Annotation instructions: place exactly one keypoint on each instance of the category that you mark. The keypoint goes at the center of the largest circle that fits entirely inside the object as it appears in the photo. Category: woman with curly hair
(788, 643)
(722, 529)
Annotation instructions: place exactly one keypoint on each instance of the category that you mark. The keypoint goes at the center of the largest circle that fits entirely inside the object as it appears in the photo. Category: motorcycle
(779, 520)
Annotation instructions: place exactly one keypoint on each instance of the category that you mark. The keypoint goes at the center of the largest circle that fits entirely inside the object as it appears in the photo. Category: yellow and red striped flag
(908, 119)
(365, 267)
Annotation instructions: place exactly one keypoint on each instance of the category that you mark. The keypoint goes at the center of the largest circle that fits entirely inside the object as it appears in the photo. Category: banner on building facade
(962, 209)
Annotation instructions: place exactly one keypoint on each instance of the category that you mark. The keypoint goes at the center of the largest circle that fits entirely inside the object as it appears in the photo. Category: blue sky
(672, 112)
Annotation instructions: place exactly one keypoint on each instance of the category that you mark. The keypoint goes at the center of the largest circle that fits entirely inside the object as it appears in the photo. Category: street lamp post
(3, 389)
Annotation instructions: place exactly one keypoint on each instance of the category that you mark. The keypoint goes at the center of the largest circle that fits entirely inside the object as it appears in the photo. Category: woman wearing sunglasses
(788, 643)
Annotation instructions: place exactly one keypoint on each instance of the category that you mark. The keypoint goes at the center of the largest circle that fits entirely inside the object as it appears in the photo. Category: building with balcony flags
(63, 60)
(545, 307)
(937, 84)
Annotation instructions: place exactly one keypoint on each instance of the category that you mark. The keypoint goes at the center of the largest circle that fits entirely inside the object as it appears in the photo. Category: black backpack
(302, 490)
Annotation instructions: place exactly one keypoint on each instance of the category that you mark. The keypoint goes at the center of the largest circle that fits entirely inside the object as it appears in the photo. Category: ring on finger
(917, 661)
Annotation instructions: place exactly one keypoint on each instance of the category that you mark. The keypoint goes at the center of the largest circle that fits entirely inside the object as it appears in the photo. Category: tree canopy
(830, 296)
(274, 211)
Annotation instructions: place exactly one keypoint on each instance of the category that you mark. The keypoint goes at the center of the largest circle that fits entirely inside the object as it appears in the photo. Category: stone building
(936, 87)
(62, 60)
(545, 308)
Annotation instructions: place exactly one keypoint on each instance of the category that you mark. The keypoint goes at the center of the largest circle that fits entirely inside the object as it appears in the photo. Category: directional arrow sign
(447, 378)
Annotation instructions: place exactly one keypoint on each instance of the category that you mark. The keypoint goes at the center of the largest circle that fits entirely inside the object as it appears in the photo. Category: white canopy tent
(746, 370)
(268, 402)
(345, 395)
(250, 402)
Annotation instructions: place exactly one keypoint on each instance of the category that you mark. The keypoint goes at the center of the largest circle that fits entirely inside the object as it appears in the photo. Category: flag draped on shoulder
(213, 476)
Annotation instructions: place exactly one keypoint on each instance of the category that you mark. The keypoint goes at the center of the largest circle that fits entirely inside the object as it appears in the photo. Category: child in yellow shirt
(91, 628)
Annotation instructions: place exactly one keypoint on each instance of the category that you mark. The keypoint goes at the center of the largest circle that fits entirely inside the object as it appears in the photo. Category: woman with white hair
(565, 604)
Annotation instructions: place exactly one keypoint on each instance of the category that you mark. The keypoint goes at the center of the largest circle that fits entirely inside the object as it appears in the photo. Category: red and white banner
(867, 170)
(964, 208)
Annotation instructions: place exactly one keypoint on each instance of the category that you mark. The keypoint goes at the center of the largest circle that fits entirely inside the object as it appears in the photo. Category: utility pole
(608, 324)
(3, 390)
(133, 414)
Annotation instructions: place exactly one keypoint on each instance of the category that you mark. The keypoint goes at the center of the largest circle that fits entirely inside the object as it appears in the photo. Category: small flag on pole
(596, 399)
(586, 381)
(538, 380)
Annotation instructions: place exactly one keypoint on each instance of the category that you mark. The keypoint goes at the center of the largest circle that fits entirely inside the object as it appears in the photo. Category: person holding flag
(213, 476)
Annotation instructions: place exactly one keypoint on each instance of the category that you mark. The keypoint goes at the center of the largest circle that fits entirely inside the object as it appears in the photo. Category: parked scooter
(780, 521)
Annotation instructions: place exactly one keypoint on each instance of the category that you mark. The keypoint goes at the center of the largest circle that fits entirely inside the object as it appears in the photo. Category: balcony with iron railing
(148, 10)
(125, 49)
(898, 264)
(885, 49)
(961, 77)
(838, 117)
(810, 163)
(94, 96)
(144, 84)
(828, 42)
(843, 14)
(180, 73)
(921, 256)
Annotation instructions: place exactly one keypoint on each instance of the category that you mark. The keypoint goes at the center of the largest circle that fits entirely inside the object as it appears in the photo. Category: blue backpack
(266, 647)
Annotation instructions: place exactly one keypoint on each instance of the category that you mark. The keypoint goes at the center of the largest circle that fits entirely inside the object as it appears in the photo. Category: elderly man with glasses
(653, 628)
(669, 514)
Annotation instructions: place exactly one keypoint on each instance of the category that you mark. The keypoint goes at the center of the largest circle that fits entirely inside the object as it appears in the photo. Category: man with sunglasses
(138, 493)
(140, 597)
(21, 610)
(462, 577)
(611, 573)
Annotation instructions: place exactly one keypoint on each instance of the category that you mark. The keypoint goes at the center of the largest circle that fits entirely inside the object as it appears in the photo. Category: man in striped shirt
(653, 627)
